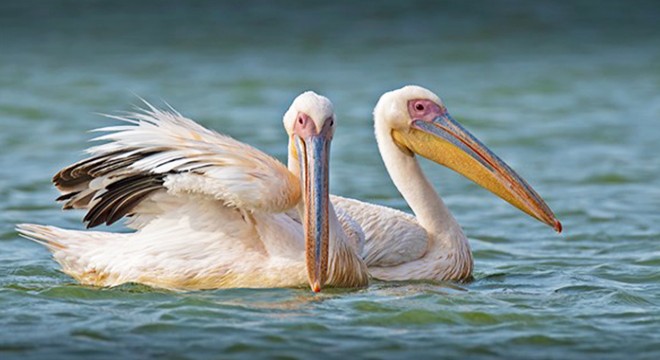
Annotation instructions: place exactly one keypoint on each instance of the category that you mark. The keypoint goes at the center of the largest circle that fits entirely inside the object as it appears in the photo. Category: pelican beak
(446, 142)
(314, 155)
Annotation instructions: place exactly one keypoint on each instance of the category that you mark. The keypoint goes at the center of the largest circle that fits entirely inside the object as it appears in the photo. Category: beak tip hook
(316, 287)
(558, 227)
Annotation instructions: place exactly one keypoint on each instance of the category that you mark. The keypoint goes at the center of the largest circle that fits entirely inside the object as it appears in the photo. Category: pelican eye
(419, 107)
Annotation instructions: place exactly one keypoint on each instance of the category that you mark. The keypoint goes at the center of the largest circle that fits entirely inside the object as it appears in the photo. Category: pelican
(209, 211)
(430, 246)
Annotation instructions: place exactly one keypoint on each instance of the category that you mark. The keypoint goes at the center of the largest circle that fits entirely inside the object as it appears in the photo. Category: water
(568, 94)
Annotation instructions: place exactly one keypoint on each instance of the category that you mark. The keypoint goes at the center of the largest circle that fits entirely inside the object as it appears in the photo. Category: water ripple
(568, 99)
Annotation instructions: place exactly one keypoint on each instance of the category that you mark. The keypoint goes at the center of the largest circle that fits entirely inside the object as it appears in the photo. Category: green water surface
(568, 93)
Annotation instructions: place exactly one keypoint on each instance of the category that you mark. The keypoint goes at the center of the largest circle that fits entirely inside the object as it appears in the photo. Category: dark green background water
(567, 92)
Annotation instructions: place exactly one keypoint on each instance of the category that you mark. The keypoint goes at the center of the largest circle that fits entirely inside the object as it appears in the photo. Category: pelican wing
(162, 151)
(391, 237)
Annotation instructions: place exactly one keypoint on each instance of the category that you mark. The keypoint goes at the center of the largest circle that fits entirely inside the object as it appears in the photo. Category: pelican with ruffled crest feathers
(430, 245)
(208, 211)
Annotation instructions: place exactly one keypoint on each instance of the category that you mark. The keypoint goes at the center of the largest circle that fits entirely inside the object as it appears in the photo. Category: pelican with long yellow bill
(431, 245)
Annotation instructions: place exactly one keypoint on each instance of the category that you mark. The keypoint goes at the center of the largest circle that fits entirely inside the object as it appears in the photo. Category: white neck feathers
(431, 212)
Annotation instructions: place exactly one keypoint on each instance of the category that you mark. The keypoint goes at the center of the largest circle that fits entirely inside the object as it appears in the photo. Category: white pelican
(209, 211)
(413, 120)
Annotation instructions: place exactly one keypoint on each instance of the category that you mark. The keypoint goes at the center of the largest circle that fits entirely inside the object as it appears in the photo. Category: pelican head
(310, 123)
(420, 124)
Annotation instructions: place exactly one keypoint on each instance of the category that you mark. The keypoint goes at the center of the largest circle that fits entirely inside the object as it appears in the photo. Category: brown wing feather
(74, 180)
(121, 197)
(72, 176)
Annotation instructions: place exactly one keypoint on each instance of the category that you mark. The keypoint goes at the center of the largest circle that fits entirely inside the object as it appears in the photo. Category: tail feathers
(61, 239)
(48, 236)
(73, 251)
